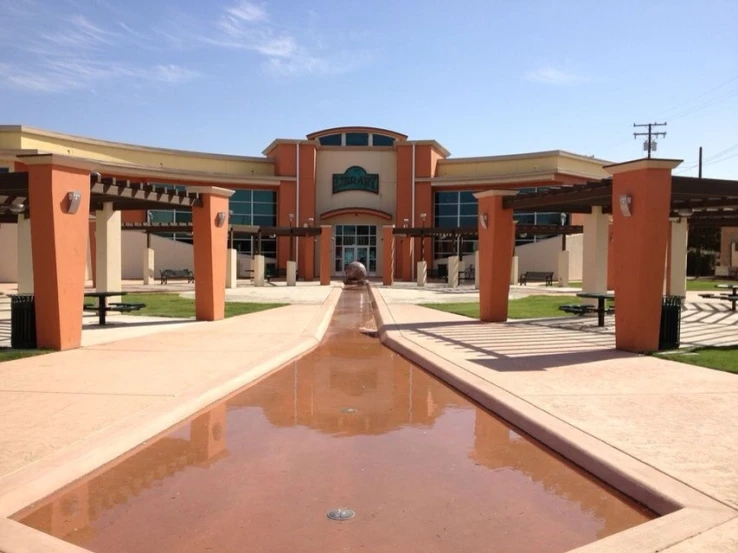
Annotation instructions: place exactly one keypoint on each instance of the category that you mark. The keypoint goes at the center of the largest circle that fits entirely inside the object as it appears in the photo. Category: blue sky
(481, 77)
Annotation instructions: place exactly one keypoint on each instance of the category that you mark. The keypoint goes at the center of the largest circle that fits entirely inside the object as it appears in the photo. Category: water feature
(350, 448)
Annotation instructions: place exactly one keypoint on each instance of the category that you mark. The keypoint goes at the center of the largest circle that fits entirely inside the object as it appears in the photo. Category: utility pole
(700, 163)
(650, 144)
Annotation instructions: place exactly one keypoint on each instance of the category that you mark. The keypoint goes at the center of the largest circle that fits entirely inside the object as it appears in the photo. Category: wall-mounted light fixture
(422, 218)
(685, 212)
(405, 223)
(625, 202)
(292, 218)
(73, 200)
(483, 218)
(17, 209)
(220, 219)
(311, 221)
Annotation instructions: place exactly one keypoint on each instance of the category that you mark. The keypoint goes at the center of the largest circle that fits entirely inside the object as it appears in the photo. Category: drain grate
(349, 410)
(340, 514)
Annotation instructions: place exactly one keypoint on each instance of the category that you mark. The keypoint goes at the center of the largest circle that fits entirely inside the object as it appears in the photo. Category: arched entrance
(356, 237)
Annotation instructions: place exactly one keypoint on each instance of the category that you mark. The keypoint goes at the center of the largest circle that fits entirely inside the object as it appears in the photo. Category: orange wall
(209, 244)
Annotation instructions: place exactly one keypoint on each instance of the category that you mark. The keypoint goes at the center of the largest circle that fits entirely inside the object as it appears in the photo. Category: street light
(563, 234)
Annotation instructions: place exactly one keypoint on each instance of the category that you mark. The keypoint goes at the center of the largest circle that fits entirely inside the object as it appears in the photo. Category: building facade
(355, 179)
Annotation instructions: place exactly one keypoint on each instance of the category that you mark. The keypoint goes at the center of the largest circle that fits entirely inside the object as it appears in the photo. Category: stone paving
(677, 418)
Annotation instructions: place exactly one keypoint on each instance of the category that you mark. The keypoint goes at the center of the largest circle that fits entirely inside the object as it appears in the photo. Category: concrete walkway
(65, 414)
(669, 426)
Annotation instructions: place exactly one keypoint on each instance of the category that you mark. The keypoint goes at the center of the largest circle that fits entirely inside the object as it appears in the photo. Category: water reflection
(424, 468)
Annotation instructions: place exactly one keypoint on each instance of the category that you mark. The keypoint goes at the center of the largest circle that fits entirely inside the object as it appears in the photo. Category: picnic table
(732, 296)
(102, 306)
(601, 298)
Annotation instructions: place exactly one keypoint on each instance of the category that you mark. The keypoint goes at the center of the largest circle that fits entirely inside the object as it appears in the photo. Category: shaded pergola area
(235, 232)
(637, 221)
(51, 198)
(413, 239)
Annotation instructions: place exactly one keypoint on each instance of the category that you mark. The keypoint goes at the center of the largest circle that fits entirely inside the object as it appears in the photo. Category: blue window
(330, 140)
(4, 169)
(357, 139)
(382, 140)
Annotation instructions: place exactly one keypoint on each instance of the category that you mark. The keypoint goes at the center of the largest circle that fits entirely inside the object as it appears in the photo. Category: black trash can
(23, 321)
(671, 320)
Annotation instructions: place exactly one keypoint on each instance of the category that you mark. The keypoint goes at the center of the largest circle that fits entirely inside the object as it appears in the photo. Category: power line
(698, 96)
(650, 144)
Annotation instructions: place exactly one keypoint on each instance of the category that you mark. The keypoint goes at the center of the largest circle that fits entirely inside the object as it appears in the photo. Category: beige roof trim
(33, 131)
(492, 179)
(527, 155)
(433, 143)
(644, 163)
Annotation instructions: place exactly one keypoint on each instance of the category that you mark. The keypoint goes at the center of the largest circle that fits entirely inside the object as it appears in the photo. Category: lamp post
(422, 236)
(563, 234)
(292, 238)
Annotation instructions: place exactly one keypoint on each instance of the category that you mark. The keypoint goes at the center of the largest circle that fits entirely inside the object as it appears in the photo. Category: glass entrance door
(356, 243)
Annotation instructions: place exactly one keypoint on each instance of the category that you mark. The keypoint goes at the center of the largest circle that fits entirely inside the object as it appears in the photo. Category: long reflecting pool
(351, 425)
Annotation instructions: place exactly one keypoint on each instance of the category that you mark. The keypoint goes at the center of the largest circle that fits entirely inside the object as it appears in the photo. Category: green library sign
(356, 178)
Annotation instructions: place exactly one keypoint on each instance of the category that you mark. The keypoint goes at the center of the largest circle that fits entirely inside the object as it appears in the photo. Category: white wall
(8, 252)
(168, 254)
(544, 256)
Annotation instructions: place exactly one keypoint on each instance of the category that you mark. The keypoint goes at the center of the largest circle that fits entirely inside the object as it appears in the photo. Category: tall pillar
(595, 253)
(514, 270)
(677, 284)
(210, 243)
(108, 251)
(325, 254)
(231, 269)
(388, 255)
(563, 268)
(291, 273)
(59, 245)
(259, 267)
(453, 266)
(476, 270)
(641, 197)
(149, 259)
(496, 235)
(25, 257)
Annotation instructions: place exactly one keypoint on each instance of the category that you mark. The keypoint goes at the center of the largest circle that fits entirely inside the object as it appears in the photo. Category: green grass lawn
(171, 305)
(9, 354)
(720, 358)
(531, 307)
(706, 284)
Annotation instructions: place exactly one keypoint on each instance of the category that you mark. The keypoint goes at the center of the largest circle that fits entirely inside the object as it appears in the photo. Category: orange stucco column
(58, 247)
(388, 255)
(326, 251)
(644, 186)
(496, 242)
(210, 242)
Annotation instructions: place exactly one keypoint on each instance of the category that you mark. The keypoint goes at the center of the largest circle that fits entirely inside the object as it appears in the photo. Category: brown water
(350, 425)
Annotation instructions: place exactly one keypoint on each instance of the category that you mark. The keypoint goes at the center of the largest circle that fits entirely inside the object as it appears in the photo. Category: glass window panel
(447, 222)
(446, 210)
(372, 240)
(265, 220)
(382, 140)
(349, 240)
(330, 140)
(548, 218)
(447, 197)
(524, 218)
(357, 139)
(265, 209)
(349, 229)
(468, 222)
(362, 229)
(241, 196)
(372, 230)
(339, 265)
(237, 219)
(162, 216)
(469, 209)
(339, 230)
(467, 197)
(268, 196)
(339, 240)
(339, 251)
(240, 208)
(362, 240)
(183, 216)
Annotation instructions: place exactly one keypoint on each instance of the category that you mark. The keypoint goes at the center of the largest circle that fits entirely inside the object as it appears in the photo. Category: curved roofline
(349, 210)
(335, 130)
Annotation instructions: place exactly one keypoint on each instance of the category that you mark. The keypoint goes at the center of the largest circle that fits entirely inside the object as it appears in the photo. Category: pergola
(51, 198)
(637, 220)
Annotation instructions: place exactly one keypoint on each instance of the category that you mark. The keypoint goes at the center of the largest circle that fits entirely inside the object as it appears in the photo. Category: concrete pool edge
(30, 484)
(686, 512)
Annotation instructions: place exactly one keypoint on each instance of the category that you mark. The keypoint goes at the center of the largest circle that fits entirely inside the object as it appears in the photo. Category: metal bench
(180, 274)
(467, 274)
(536, 276)
(578, 309)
